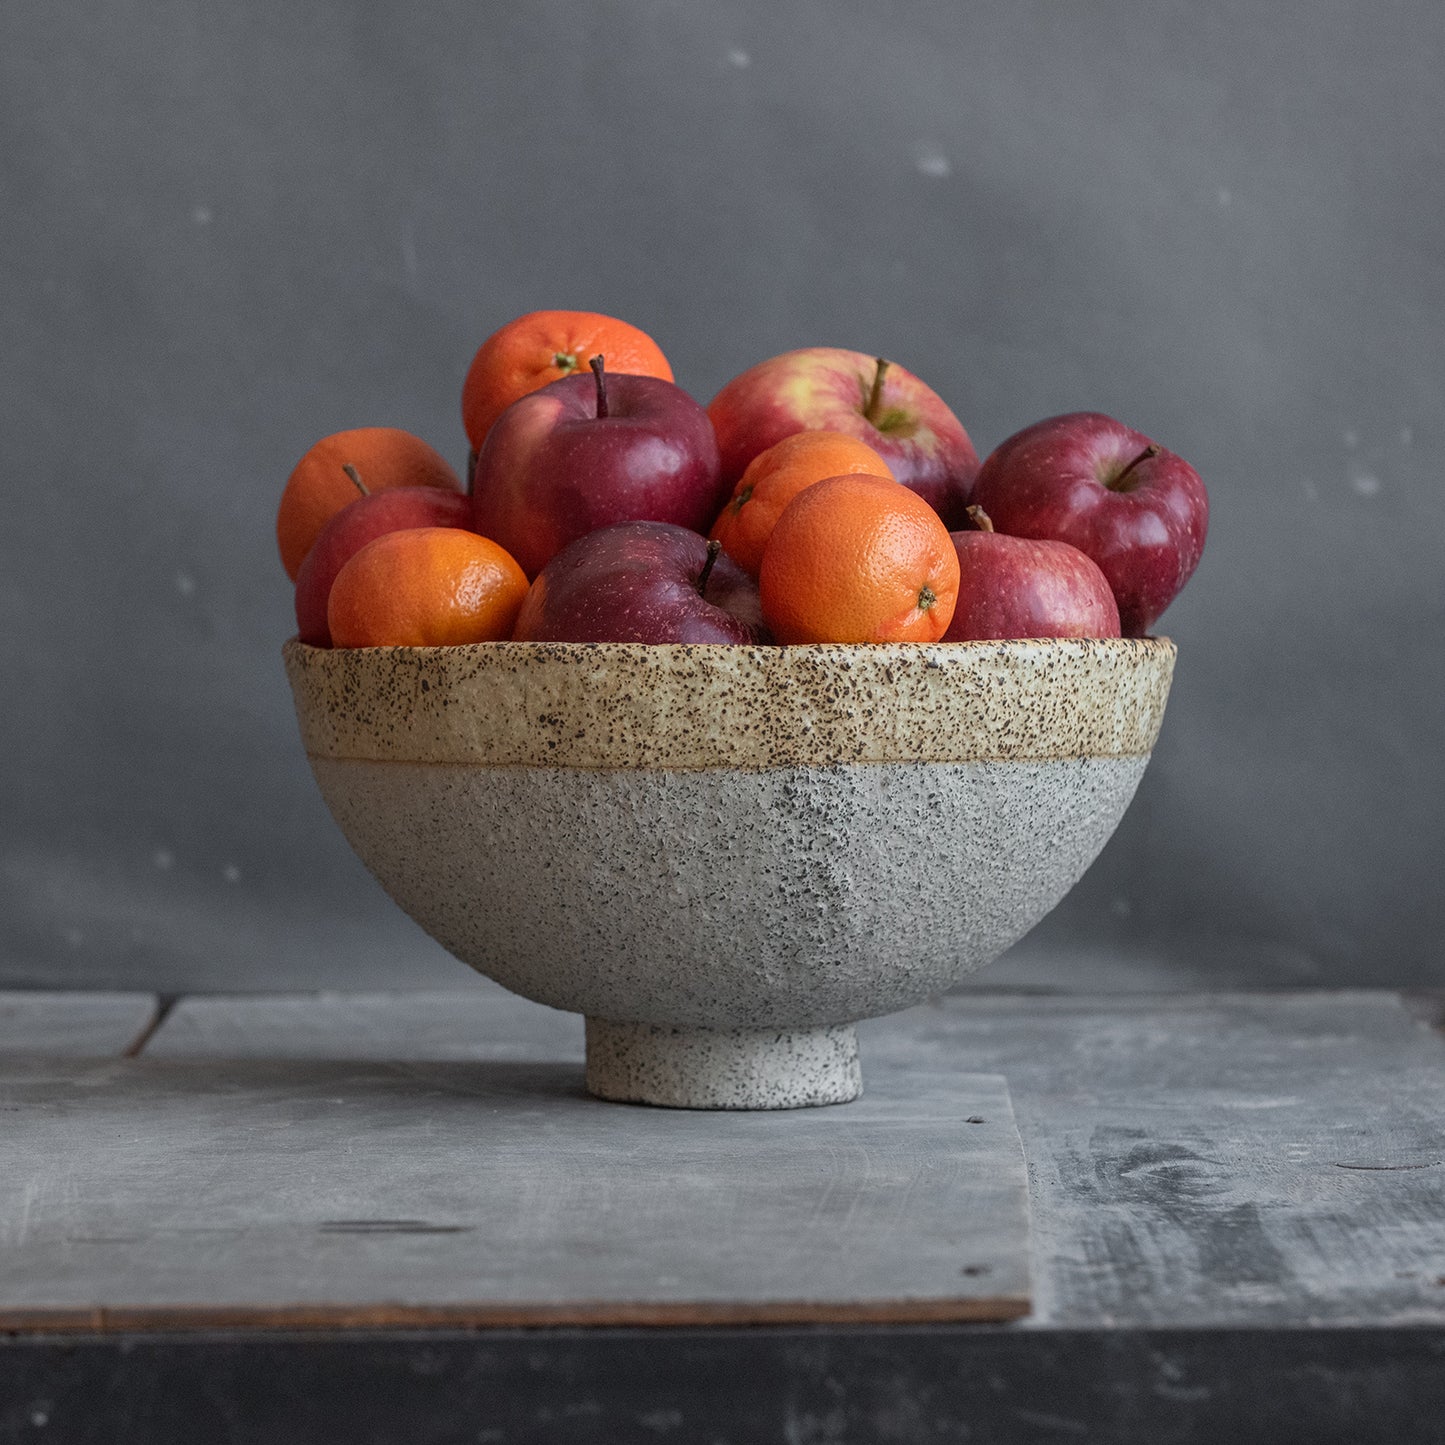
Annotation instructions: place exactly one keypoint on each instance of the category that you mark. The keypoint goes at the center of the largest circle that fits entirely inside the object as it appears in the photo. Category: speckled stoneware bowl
(725, 856)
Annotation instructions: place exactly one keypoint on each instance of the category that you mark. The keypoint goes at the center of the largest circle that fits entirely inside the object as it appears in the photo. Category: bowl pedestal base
(687, 1068)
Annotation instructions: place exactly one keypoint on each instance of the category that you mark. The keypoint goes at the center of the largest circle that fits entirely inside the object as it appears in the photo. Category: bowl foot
(722, 1068)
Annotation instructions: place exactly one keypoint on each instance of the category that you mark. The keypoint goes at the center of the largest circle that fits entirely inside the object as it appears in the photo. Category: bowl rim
(697, 705)
(977, 645)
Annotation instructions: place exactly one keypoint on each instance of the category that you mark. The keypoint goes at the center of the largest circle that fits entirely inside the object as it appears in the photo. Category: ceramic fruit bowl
(726, 856)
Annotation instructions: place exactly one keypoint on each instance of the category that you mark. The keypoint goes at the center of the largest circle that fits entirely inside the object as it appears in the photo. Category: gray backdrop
(228, 230)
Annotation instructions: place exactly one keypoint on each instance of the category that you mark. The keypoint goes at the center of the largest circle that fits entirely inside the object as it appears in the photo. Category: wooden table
(1235, 1228)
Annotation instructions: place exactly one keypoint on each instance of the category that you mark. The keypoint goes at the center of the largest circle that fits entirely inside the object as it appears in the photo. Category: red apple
(641, 582)
(1018, 587)
(1139, 511)
(355, 525)
(588, 451)
(824, 388)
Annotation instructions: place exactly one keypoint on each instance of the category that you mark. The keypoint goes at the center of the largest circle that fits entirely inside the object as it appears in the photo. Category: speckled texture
(725, 838)
(675, 706)
(720, 898)
(722, 1069)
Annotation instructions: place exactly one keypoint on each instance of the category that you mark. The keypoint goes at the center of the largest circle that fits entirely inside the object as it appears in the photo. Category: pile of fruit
(824, 496)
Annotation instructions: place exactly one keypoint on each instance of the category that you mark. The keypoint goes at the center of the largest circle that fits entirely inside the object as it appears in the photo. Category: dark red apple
(824, 388)
(641, 582)
(355, 525)
(588, 451)
(1019, 587)
(1139, 511)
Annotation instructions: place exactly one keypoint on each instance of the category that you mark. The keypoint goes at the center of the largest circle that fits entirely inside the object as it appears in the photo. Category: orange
(775, 476)
(426, 587)
(320, 486)
(859, 559)
(545, 346)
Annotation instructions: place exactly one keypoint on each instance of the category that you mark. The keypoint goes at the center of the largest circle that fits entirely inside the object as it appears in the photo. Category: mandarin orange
(426, 587)
(342, 467)
(859, 559)
(544, 346)
(775, 476)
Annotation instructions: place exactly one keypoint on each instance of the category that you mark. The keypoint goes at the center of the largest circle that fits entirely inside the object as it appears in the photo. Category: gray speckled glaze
(687, 1068)
(726, 856)
(720, 898)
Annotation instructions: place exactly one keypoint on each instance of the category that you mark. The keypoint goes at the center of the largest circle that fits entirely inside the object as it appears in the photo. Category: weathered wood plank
(1204, 1159)
(160, 1193)
(77, 1025)
(483, 1022)
(1244, 1159)
(1212, 1160)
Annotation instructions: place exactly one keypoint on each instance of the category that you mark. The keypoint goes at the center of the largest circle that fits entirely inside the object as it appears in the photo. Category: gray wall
(228, 230)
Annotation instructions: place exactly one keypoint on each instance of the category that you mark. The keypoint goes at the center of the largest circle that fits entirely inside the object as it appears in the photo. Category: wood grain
(168, 1193)
(1194, 1161)
(1247, 1158)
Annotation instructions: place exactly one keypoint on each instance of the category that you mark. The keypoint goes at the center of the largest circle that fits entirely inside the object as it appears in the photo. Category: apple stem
(1117, 485)
(875, 396)
(981, 520)
(714, 548)
(356, 478)
(597, 364)
(471, 468)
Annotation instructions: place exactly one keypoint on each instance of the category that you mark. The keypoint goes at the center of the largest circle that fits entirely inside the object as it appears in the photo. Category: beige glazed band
(620, 705)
